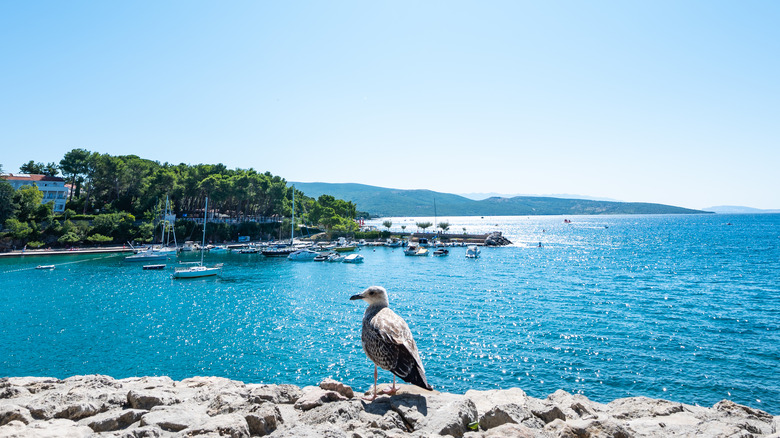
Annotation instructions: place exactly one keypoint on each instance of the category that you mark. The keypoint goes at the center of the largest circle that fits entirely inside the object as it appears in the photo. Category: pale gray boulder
(509, 413)
(13, 412)
(113, 420)
(174, 418)
(333, 385)
(263, 419)
(278, 394)
(314, 396)
(228, 425)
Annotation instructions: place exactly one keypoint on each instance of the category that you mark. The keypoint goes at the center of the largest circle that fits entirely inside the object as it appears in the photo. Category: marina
(652, 306)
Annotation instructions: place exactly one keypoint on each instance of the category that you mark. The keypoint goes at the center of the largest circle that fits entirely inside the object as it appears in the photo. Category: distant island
(737, 209)
(387, 202)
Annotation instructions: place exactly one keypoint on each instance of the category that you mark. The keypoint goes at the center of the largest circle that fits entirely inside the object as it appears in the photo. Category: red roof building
(53, 187)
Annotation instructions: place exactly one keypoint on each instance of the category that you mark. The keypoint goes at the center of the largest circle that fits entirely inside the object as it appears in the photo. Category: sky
(674, 102)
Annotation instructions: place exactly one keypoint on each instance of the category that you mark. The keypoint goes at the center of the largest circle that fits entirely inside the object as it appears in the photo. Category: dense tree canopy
(31, 167)
(112, 193)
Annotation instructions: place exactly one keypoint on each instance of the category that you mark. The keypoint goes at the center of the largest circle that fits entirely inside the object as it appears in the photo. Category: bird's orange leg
(393, 389)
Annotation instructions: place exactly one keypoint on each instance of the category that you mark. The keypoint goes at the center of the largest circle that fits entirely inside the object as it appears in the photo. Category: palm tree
(444, 226)
(423, 225)
(388, 224)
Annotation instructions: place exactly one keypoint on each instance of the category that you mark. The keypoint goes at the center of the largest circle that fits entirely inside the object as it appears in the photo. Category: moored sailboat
(197, 270)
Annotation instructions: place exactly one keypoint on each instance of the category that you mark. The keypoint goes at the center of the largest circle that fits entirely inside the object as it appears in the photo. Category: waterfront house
(53, 187)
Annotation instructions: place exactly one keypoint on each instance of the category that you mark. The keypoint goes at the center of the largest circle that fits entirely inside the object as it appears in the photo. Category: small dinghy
(153, 267)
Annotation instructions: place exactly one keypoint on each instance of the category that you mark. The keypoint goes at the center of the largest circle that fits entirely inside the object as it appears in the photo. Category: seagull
(388, 341)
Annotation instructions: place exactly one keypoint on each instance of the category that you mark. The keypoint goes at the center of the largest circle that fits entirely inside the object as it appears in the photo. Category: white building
(53, 187)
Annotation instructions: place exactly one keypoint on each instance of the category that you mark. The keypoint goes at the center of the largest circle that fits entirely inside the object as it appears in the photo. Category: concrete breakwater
(97, 405)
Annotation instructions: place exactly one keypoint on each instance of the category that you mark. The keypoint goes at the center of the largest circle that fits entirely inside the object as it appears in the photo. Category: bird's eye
(371, 293)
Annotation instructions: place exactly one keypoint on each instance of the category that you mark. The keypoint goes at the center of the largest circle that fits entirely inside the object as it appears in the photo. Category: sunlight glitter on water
(605, 312)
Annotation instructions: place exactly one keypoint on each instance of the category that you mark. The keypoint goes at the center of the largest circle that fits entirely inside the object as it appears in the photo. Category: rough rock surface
(496, 239)
(99, 406)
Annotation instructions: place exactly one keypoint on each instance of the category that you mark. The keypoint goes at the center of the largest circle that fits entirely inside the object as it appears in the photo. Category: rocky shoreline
(96, 405)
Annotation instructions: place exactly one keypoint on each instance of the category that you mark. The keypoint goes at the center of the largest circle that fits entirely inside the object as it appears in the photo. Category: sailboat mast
(434, 215)
(205, 218)
(292, 222)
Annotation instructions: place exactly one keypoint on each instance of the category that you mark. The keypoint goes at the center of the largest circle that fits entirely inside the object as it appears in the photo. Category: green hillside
(384, 202)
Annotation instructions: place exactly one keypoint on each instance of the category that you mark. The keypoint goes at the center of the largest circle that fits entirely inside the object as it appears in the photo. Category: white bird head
(374, 295)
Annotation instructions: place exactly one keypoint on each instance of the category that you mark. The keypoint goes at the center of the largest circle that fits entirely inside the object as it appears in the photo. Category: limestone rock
(486, 400)
(54, 428)
(496, 239)
(174, 418)
(147, 399)
(575, 406)
(263, 419)
(509, 413)
(440, 414)
(152, 407)
(545, 411)
(11, 412)
(333, 385)
(636, 407)
(509, 430)
(333, 413)
(113, 420)
(278, 394)
(229, 425)
(754, 421)
(587, 428)
(314, 396)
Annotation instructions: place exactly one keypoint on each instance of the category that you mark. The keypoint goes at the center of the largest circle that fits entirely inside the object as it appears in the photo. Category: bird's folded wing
(393, 329)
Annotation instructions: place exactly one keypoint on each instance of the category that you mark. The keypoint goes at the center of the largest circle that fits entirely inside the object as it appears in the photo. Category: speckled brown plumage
(388, 342)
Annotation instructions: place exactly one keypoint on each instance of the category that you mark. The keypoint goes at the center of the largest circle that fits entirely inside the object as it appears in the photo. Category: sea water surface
(684, 308)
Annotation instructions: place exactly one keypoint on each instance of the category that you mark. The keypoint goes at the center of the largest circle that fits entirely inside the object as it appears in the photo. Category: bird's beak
(356, 297)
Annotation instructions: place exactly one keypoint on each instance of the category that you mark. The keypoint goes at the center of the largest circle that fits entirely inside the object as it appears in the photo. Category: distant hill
(385, 202)
(736, 209)
(481, 196)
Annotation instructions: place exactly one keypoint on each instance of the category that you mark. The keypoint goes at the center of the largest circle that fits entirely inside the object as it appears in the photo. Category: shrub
(99, 238)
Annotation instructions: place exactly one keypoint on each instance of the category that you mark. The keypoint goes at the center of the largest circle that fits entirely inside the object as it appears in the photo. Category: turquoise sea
(684, 308)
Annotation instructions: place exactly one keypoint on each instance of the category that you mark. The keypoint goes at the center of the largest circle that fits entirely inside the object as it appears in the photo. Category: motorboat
(304, 254)
(345, 248)
(248, 250)
(415, 250)
(422, 241)
(44, 267)
(472, 252)
(323, 256)
(153, 267)
(441, 252)
(218, 249)
(393, 243)
(189, 246)
(353, 258)
(335, 257)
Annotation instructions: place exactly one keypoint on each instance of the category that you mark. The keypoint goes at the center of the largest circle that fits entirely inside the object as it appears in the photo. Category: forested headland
(117, 199)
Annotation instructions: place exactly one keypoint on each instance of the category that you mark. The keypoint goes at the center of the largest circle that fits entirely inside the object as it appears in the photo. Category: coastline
(97, 405)
(50, 252)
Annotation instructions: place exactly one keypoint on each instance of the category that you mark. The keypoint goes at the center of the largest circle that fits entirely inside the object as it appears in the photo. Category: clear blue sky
(676, 102)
